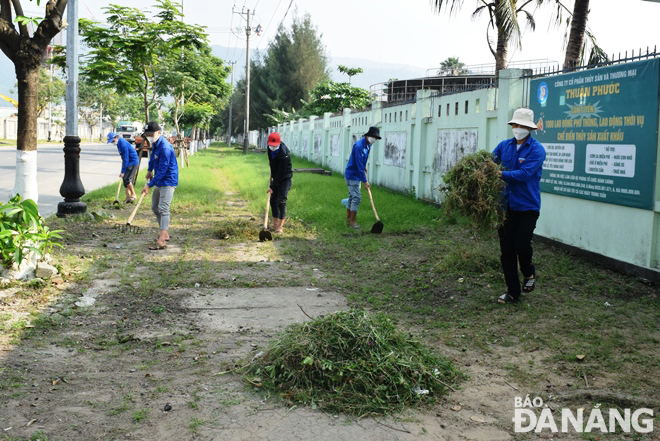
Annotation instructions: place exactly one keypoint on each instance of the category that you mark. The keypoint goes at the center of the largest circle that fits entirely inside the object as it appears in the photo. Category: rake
(128, 228)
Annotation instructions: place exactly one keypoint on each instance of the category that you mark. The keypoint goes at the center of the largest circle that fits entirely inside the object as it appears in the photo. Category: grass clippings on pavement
(354, 362)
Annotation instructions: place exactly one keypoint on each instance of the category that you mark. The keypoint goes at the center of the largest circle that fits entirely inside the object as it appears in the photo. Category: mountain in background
(374, 71)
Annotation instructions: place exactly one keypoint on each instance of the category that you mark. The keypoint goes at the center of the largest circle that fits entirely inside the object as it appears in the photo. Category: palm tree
(452, 66)
(581, 46)
(503, 18)
(576, 37)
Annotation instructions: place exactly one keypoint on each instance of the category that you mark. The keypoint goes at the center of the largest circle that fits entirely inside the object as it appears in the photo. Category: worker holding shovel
(356, 173)
(129, 162)
(279, 184)
(163, 176)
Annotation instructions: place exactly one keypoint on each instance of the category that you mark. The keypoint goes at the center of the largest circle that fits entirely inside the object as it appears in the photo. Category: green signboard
(599, 128)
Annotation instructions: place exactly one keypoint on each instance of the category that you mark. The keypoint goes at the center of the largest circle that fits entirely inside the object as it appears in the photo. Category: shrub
(22, 230)
(473, 189)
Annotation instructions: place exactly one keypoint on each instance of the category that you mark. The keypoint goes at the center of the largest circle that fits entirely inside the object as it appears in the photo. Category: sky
(407, 32)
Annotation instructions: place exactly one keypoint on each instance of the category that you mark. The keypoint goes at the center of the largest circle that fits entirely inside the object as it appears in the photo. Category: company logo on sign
(542, 93)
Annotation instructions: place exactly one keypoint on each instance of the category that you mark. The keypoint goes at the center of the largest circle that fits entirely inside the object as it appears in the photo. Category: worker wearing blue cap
(129, 163)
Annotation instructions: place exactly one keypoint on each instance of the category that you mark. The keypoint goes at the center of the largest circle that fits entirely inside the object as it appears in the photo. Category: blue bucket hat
(111, 137)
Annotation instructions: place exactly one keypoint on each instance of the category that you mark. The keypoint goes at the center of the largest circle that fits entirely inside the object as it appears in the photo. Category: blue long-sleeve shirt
(522, 174)
(128, 154)
(357, 162)
(164, 165)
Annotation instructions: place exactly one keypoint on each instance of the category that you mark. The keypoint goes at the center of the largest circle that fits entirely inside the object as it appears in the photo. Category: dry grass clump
(473, 189)
(352, 362)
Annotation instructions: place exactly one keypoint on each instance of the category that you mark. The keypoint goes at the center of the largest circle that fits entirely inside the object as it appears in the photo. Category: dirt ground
(130, 362)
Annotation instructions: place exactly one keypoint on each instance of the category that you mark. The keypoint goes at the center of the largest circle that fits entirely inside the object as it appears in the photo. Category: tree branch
(9, 38)
(51, 25)
(5, 11)
(19, 11)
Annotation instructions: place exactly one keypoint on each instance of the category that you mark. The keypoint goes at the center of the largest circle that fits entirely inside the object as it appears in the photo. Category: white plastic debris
(257, 355)
(197, 285)
(608, 304)
(420, 391)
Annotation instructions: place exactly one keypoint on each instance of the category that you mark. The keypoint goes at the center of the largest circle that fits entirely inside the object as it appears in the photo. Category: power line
(231, 22)
(271, 20)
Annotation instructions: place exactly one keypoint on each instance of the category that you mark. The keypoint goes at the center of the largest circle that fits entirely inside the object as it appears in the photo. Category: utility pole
(246, 139)
(231, 94)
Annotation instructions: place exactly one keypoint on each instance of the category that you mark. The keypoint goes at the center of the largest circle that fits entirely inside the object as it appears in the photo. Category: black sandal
(506, 298)
(528, 284)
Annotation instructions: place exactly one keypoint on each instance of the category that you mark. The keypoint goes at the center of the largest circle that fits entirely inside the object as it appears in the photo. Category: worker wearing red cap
(281, 173)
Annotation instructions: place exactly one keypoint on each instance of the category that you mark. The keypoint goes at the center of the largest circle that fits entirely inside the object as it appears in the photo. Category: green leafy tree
(294, 63)
(127, 52)
(27, 52)
(197, 116)
(334, 97)
(193, 75)
(452, 66)
(350, 71)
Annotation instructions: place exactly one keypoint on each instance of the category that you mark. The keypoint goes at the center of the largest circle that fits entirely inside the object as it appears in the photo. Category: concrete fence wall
(9, 130)
(422, 140)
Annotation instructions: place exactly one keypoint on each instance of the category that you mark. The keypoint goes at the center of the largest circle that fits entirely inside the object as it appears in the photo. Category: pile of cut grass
(353, 362)
(473, 189)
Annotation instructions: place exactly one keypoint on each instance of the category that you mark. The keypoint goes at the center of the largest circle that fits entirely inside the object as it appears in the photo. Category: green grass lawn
(438, 276)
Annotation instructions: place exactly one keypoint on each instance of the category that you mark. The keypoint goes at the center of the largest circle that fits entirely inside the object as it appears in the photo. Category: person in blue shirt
(129, 163)
(356, 173)
(163, 176)
(279, 160)
(522, 159)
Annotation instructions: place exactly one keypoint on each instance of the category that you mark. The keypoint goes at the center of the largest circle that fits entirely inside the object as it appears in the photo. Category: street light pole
(72, 188)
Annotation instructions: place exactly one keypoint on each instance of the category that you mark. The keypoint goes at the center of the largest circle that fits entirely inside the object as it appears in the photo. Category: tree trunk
(576, 37)
(500, 54)
(26, 145)
(146, 106)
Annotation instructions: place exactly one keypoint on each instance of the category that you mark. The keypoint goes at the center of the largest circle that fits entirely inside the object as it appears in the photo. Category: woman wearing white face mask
(281, 173)
(356, 173)
(522, 157)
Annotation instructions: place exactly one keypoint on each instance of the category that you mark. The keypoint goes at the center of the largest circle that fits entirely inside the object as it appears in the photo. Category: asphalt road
(100, 165)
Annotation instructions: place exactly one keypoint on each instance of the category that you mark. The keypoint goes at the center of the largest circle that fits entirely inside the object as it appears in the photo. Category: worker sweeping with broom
(163, 176)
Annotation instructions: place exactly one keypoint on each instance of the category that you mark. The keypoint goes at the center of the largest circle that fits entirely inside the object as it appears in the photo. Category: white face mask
(153, 138)
(371, 140)
(520, 133)
(273, 147)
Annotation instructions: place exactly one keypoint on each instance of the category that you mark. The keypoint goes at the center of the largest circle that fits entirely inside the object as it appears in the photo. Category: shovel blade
(377, 228)
(265, 235)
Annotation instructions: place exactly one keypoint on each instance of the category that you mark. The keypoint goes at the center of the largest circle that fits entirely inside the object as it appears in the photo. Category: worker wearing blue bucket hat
(129, 163)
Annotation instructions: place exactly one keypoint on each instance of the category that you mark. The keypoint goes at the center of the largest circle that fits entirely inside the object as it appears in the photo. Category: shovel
(265, 234)
(116, 202)
(378, 226)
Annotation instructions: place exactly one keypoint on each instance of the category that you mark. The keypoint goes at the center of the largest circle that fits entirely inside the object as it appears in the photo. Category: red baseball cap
(274, 139)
